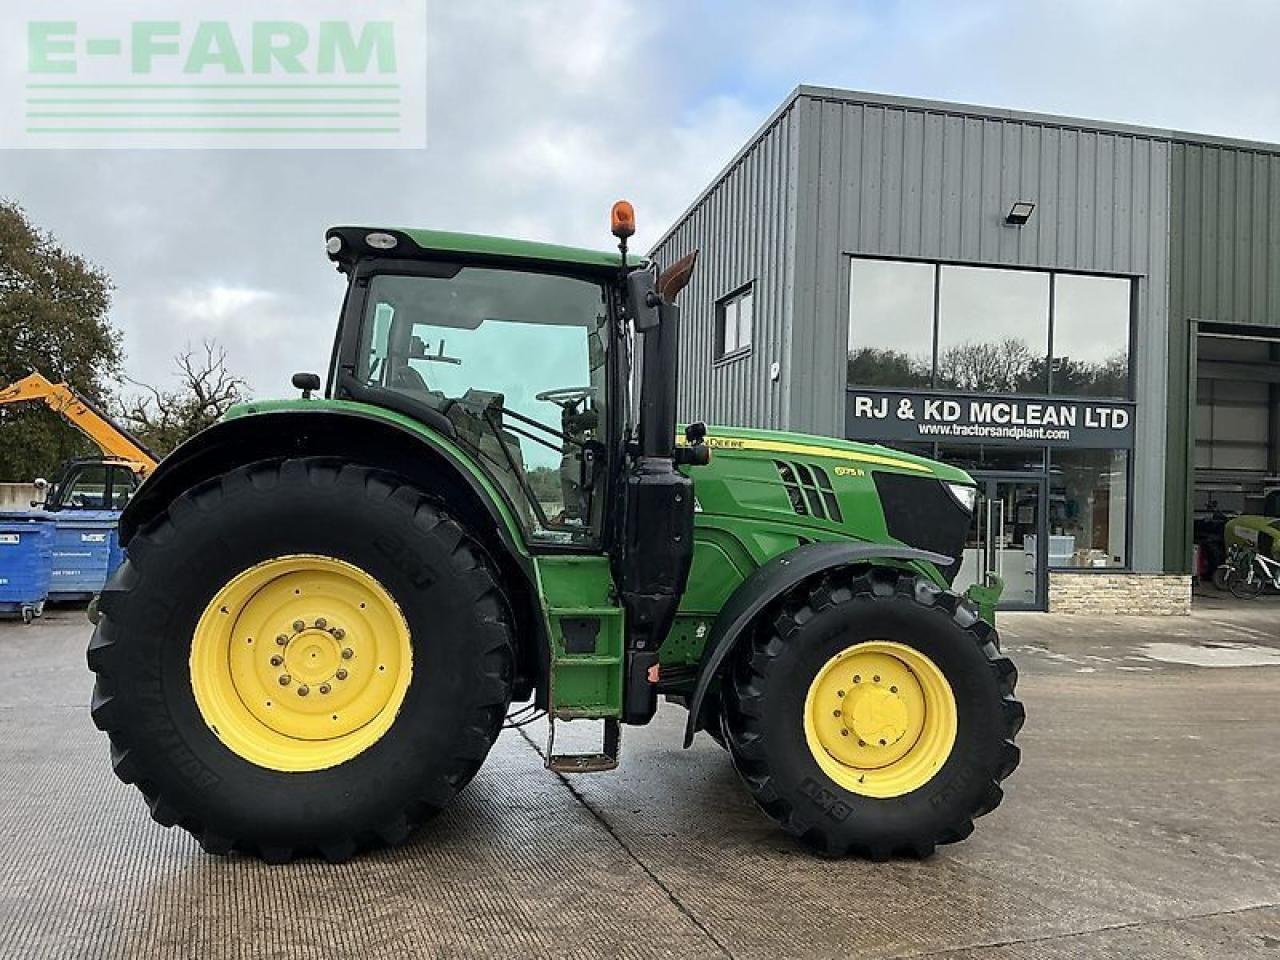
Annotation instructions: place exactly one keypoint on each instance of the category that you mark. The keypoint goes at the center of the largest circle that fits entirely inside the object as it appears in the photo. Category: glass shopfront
(1021, 377)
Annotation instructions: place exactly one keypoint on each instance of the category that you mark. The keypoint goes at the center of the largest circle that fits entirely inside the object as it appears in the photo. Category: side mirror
(306, 382)
(42, 489)
(643, 300)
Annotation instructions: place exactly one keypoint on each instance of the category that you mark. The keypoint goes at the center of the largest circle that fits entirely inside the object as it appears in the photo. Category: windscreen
(516, 361)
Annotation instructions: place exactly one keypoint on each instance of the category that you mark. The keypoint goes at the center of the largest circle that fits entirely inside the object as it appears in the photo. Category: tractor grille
(919, 512)
(809, 490)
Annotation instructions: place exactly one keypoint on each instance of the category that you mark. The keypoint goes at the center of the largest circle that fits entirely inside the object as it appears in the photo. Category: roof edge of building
(1028, 116)
(815, 92)
(778, 113)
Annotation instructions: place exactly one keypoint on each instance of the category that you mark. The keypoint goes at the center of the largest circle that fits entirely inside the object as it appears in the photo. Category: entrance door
(1006, 538)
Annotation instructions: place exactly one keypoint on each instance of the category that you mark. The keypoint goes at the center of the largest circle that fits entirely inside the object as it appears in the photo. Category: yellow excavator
(103, 483)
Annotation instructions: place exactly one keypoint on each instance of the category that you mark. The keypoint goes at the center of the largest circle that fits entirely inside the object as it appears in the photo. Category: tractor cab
(89, 483)
(510, 362)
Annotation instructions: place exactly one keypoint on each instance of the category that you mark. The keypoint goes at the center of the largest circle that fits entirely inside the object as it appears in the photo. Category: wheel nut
(298, 626)
(845, 733)
(893, 689)
(324, 688)
(856, 678)
(341, 674)
(277, 660)
(285, 679)
(835, 713)
(338, 633)
(282, 639)
(321, 623)
(876, 678)
(303, 690)
(347, 653)
(839, 693)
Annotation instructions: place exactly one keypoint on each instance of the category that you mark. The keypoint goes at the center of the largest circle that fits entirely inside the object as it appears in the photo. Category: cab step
(606, 759)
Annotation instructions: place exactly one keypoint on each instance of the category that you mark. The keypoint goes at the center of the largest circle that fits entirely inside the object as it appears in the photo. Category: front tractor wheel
(874, 715)
(301, 657)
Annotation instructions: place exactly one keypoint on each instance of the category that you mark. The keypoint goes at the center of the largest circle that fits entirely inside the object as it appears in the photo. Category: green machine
(1259, 532)
(331, 603)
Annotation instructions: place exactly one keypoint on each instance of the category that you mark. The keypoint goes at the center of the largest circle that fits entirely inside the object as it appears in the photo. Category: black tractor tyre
(453, 707)
(764, 695)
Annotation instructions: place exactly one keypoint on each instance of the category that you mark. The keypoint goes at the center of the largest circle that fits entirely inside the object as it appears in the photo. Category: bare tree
(162, 419)
(999, 366)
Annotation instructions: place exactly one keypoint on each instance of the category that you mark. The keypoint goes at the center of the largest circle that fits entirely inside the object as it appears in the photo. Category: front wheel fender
(766, 585)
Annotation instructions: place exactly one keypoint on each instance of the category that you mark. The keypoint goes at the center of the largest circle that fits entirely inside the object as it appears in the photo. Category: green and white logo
(214, 75)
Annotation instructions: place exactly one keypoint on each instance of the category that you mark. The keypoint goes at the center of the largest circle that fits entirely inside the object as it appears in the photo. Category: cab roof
(429, 244)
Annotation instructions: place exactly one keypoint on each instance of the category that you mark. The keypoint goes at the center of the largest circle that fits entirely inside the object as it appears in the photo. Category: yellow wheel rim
(300, 663)
(880, 719)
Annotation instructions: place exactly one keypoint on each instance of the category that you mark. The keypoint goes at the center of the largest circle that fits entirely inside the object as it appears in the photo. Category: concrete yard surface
(1143, 822)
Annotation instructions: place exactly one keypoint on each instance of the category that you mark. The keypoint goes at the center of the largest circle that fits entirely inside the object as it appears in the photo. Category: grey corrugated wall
(1224, 243)
(744, 230)
(1225, 235)
(836, 173)
(935, 183)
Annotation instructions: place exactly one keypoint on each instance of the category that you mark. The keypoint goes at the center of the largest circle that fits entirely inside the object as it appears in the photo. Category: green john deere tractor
(331, 603)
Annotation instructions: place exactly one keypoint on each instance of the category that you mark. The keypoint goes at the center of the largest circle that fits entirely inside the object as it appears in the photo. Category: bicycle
(1248, 581)
(1237, 559)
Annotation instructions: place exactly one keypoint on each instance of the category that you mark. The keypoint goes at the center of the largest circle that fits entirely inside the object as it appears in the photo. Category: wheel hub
(300, 663)
(312, 656)
(880, 718)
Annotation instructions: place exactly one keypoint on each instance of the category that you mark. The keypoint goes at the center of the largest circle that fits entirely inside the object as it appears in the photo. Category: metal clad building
(851, 214)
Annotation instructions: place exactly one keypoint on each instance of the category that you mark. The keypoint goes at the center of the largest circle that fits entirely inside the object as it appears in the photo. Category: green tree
(53, 318)
(545, 484)
(874, 367)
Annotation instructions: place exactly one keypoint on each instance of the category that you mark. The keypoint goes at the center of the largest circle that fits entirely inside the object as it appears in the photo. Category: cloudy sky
(542, 112)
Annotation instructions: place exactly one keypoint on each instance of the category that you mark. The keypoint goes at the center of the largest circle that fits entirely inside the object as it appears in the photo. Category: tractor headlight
(964, 495)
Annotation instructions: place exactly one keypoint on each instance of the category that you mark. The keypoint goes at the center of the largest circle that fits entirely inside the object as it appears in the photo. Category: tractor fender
(767, 584)
(378, 438)
(294, 431)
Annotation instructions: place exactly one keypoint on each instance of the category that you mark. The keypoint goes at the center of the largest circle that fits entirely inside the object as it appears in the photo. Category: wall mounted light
(1019, 213)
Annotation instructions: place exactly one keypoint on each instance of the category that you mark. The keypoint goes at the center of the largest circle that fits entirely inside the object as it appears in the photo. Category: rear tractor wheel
(875, 715)
(301, 657)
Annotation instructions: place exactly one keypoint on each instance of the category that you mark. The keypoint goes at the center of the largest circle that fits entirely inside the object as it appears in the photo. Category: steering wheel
(565, 396)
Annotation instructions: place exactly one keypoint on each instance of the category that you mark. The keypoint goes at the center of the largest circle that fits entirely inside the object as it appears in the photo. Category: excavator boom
(111, 438)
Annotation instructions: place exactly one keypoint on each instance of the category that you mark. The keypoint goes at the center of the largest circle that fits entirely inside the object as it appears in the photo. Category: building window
(988, 330)
(890, 323)
(1088, 508)
(993, 330)
(1091, 336)
(735, 315)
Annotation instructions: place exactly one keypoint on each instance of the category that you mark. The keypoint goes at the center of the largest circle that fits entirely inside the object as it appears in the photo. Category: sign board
(904, 415)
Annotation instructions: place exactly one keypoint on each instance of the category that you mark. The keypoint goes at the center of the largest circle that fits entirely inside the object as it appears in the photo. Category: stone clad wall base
(1121, 594)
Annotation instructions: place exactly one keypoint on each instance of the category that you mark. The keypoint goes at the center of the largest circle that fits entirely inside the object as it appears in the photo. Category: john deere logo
(275, 74)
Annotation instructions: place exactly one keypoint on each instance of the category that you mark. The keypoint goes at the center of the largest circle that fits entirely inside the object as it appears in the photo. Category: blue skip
(82, 552)
(26, 563)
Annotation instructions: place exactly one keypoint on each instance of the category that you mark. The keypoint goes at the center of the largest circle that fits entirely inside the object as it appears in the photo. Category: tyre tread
(430, 517)
(742, 693)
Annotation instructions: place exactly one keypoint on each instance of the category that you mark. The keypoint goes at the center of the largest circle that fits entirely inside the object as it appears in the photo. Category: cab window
(123, 483)
(88, 490)
(516, 362)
